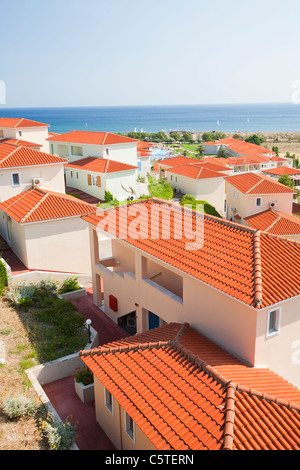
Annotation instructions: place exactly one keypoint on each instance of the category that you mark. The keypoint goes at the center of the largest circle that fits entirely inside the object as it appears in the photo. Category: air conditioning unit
(273, 204)
(36, 181)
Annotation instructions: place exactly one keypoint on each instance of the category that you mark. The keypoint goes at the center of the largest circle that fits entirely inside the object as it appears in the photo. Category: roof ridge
(254, 186)
(10, 154)
(229, 417)
(265, 396)
(257, 269)
(22, 195)
(34, 207)
(104, 138)
(125, 348)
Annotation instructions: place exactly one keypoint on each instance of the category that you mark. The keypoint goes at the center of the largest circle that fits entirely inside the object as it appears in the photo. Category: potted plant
(84, 385)
(70, 289)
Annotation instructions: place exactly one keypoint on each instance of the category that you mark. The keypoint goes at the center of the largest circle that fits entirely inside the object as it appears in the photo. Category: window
(108, 400)
(258, 202)
(129, 426)
(63, 150)
(77, 151)
(71, 173)
(20, 133)
(274, 317)
(77, 175)
(107, 152)
(15, 177)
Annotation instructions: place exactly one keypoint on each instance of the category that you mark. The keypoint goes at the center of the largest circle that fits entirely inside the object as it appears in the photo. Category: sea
(280, 117)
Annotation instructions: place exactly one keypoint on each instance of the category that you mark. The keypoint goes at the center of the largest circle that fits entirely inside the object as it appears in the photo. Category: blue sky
(112, 52)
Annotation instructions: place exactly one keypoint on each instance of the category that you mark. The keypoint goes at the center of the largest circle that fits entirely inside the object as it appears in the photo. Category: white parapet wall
(37, 276)
(55, 370)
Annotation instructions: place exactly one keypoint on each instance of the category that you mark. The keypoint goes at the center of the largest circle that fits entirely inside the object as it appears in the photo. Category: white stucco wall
(280, 352)
(37, 135)
(245, 204)
(60, 245)
(211, 190)
(112, 182)
(51, 176)
(124, 153)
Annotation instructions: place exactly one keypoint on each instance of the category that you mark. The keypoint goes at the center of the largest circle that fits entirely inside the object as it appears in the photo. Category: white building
(36, 133)
(46, 232)
(22, 167)
(76, 145)
(95, 176)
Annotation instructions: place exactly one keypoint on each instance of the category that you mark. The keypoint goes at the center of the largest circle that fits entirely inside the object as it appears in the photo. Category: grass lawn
(160, 189)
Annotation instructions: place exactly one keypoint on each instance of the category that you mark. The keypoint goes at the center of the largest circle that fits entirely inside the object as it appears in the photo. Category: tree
(286, 180)
(276, 150)
(254, 139)
(187, 136)
(175, 136)
(222, 154)
(200, 150)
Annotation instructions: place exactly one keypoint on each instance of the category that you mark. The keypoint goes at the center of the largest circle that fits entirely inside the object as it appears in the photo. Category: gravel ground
(23, 433)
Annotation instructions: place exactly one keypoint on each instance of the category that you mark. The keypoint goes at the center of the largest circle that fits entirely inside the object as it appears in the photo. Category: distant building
(95, 176)
(250, 193)
(22, 167)
(35, 133)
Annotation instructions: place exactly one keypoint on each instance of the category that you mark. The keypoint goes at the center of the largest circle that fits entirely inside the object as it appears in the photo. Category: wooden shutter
(90, 180)
(99, 181)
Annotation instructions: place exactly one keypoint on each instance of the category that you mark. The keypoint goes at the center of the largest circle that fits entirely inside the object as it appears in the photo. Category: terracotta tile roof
(186, 393)
(38, 205)
(248, 160)
(253, 183)
(13, 156)
(275, 222)
(100, 165)
(176, 161)
(282, 170)
(20, 123)
(20, 143)
(196, 172)
(236, 260)
(241, 147)
(90, 137)
(217, 160)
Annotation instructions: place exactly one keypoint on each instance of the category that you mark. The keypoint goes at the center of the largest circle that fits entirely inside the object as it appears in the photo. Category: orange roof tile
(253, 183)
(90, 137)
(13, 156)
(186, 393)
(38, 205)
(275, 222)
(234, 259)
(100, 165)
(20, 143)
(176, 161)
(282, 170)
(20, 123)
(196, 172)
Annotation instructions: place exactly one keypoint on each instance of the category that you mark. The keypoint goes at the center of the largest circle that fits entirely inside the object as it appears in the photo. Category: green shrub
(60, 435)
(84, 376)
(18, 406)
(108, 197)
(69, 285)
(3, 278)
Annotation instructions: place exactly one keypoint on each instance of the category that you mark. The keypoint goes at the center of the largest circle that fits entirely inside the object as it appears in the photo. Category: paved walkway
(62, 395)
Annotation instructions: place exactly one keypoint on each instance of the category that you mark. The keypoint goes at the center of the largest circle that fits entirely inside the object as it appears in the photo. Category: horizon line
(148, 105)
